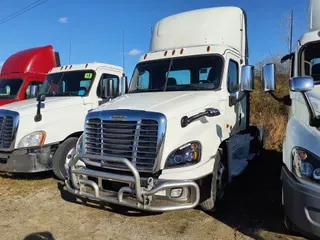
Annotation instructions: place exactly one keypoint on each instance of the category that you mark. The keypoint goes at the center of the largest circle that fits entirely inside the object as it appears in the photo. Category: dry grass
(270, 113)
(11, 184)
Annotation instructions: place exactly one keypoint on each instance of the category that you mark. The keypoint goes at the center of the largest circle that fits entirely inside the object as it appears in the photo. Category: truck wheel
(62, 156)
(218, 184)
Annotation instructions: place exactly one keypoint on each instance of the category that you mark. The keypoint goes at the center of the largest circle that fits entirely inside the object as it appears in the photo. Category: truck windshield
(9, 88)
(72, 83)
(178, 74)
(310, 56)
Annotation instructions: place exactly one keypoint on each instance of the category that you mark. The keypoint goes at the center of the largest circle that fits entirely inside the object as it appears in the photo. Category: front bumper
(140, 193)
(301, 204)
(26, 160)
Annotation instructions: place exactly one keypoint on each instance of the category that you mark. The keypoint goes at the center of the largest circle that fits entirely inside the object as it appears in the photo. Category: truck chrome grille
(6, 131)
(8, 128)
(136, 140)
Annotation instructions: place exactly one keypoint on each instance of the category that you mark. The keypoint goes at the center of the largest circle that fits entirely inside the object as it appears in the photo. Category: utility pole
(291, 32)
(70, 53)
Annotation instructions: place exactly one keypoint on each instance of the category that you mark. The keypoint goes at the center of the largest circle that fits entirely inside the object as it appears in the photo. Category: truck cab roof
(33, 60)
(310, 37)
(209, 26)
(83, 66)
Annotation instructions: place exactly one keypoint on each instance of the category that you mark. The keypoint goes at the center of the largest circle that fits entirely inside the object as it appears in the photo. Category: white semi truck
(181, 132)
(301, 153)
(39, 134)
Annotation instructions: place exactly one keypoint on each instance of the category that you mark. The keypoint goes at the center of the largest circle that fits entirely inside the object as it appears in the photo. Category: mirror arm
(38, 116)
(314, 120)
(209, 112)
(286, 100)
(233, 101)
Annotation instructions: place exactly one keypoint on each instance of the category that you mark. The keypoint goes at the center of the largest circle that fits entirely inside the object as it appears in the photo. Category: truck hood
(28, 107)
(6, 101)
(170, 103)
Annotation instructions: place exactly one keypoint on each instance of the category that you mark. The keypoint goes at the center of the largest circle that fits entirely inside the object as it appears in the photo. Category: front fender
(58, 124)
(300, 134)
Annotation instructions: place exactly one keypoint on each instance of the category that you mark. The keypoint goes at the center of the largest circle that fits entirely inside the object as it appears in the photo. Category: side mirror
(301, 84)
(247, 78)
(268, 78)
(34, 89)
(108, 89)
(41, 98)
(123, 85)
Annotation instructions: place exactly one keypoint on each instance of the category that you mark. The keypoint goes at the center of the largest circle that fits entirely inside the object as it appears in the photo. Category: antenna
(123, 53)
(291, 32)
(70, 53)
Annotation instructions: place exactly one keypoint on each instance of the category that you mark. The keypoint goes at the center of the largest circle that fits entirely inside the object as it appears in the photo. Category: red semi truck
(23, 72)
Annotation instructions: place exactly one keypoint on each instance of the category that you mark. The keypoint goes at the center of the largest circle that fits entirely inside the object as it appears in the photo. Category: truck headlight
(35, 139)
(186, 155)
(79, 146)
(305, 165)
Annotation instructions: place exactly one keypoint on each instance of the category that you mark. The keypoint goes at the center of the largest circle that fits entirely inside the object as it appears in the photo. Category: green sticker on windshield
(88, 76)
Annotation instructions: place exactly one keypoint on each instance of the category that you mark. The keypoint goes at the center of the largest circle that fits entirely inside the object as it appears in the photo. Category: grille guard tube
(139, 191)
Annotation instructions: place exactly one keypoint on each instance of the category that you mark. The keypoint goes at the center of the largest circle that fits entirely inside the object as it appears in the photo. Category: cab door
(236, 110)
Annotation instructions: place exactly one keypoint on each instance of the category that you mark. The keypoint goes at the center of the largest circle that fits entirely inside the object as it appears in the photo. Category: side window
(28, 90)
(101, 85)
(233, 77)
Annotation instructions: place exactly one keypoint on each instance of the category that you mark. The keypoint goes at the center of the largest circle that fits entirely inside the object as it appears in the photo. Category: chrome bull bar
(142, 194)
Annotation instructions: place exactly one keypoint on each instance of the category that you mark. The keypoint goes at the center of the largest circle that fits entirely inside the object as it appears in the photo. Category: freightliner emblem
(118, 117)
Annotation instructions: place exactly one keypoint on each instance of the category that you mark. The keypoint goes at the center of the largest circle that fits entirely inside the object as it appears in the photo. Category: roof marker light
(86, 65)
(208, 49)
(181, 51)
(173, 52)
(66, 67)
(145, 56)
(61, 68)
(165, 53)
(70, 67)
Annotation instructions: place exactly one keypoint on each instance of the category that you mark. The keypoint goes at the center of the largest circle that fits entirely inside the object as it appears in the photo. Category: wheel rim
(221, 180)
(69, 155)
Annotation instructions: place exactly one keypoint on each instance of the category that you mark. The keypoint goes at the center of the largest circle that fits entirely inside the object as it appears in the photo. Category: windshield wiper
(167, 77)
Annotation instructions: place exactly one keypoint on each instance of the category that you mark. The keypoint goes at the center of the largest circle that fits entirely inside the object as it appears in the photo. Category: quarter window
(233, 77)
(101, 86)
(28, 90)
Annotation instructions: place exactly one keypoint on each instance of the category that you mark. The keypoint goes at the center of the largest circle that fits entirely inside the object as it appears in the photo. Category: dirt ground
(38, 207)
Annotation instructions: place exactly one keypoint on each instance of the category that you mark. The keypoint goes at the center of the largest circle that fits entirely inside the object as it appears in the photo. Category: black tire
(59, 158)
(210, 203)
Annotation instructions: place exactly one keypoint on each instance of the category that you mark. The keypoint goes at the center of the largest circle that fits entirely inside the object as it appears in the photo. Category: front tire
(219, 181)
(61, 157)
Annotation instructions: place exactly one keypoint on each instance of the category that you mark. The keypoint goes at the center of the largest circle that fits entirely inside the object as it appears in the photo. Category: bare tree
(281, 68)
(285, 24)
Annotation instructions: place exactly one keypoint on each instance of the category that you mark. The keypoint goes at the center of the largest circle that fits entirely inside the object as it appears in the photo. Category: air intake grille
(6, 131)
(134, 140)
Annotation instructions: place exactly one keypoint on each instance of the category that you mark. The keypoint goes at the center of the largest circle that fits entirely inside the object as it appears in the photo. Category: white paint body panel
(61, 116)
(210, 26)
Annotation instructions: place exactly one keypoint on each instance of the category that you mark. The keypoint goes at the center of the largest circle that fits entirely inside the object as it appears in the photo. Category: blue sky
(95, 26)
